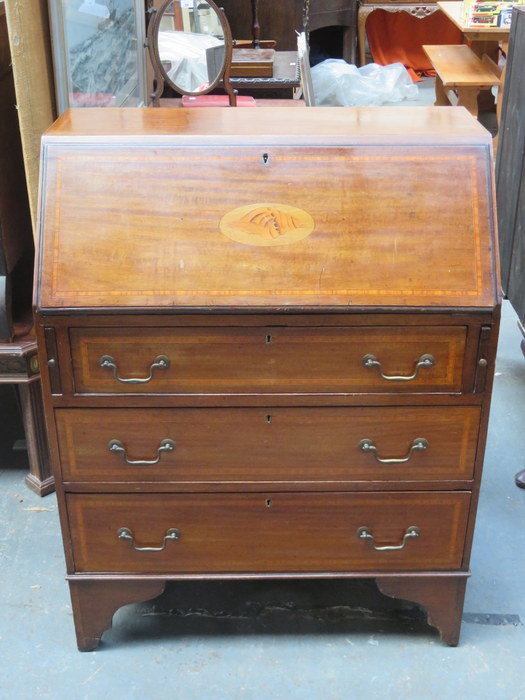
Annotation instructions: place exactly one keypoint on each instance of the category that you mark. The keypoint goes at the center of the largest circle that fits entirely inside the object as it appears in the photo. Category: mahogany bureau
(267, 342)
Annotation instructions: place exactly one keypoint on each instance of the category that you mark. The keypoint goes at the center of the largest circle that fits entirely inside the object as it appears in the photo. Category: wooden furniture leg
(442, 596)
(95, 602)
(468, 97)
(39, 479)
(441, 94)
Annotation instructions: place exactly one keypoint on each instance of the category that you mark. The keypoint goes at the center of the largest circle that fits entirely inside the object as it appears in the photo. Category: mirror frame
(162, 78)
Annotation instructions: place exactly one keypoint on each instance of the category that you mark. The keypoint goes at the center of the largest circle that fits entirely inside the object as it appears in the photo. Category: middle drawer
(273, 444)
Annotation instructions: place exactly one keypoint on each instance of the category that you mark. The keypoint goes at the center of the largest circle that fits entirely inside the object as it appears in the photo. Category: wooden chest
(267, 343)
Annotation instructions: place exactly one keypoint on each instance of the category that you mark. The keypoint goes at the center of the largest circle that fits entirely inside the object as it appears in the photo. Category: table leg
(468, 97)
(441, 94)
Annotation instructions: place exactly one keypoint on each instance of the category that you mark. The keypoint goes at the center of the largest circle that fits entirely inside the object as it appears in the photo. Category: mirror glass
(191, 45)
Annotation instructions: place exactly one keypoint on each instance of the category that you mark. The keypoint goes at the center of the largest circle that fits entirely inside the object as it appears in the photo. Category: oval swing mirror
(190, 47)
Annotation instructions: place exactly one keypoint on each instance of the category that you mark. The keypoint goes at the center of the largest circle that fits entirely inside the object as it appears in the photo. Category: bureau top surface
(266, 208)
(342, 125)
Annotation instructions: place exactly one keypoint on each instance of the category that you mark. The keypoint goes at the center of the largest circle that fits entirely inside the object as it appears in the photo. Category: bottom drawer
(273, 532)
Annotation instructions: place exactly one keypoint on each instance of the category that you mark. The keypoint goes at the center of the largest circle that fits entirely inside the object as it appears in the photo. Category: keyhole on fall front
(269, 418)
(268, 503)
(268, 339)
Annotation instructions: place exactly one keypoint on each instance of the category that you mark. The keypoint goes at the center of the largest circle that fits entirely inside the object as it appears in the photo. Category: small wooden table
(460, 75)
(484, 41)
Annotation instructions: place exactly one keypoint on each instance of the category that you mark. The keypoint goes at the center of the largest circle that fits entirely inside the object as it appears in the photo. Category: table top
(452, 9)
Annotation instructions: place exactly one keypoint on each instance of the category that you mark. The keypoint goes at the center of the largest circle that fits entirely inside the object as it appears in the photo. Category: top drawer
(268, 360)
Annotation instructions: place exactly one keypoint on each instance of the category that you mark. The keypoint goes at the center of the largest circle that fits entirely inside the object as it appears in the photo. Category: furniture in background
(190, 52)
(319, 14)
(30, 45)
(397, 31)
(280, 21)
(510, 178)
(196, 63)
(293, 382)
(18, 354)
(285, 80)
(461, 75)
(19, 366)
(98, 53)
(483, 40)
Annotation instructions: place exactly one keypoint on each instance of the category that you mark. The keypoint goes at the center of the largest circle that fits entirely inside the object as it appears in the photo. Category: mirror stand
(190, 49)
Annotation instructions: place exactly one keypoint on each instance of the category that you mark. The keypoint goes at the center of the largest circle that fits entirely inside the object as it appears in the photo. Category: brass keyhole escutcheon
(268, 503)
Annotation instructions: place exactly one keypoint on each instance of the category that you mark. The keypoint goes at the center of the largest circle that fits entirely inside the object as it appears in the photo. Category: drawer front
(277, 444)
(268, 360)
(272, 532)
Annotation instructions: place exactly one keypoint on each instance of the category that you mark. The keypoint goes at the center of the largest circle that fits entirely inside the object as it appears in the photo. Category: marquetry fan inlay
(267, 224)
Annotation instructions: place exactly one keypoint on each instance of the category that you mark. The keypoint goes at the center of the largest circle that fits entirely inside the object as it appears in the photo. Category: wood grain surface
(275, 444)
(388, 229)
(265, 395)
(267, 532)
(270, 360)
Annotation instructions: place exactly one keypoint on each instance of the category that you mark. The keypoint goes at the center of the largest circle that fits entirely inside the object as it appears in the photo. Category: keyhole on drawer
(269, 418)
(265, 158)
(268, 339)
(268, 503)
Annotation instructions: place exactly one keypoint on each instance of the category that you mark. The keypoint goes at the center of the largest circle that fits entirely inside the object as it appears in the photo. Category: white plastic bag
(337, 82)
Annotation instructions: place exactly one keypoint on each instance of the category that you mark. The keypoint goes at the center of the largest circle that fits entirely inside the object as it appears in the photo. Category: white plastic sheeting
(337, 82)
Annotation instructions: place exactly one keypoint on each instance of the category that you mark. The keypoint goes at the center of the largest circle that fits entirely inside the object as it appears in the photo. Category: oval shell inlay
(267, 224)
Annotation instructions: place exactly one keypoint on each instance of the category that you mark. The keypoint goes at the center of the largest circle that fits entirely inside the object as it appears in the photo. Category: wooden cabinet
(269, 343)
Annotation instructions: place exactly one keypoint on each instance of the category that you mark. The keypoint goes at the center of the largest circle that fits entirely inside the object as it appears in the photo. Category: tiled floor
(273, 640)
